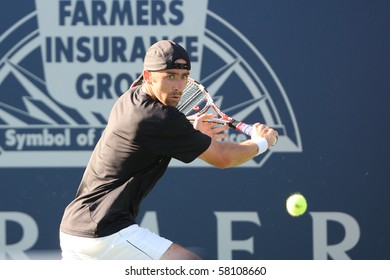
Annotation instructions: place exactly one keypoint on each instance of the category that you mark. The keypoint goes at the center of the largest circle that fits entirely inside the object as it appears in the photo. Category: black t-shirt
(141, 137)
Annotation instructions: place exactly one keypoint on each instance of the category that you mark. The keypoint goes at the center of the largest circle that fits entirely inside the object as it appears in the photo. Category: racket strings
(192, 101)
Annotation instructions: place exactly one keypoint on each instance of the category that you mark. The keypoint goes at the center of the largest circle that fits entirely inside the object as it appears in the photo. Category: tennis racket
(196, 101)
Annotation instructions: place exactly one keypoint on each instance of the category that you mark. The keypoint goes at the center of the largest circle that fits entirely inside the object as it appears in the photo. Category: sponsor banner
(57, 86)
(89, 54)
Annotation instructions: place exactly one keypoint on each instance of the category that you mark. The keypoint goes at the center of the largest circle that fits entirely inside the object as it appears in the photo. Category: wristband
(261, 143)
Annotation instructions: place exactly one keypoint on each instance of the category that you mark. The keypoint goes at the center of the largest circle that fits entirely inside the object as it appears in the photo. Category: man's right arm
(224, 154)
(229, 154)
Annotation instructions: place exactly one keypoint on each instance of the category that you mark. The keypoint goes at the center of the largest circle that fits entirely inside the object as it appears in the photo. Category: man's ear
(146, 74)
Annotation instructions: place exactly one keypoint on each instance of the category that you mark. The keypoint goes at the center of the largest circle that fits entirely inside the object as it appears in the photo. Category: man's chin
(173, 103)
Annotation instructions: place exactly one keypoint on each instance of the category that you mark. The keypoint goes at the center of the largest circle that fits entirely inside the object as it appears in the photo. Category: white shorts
(131, 243)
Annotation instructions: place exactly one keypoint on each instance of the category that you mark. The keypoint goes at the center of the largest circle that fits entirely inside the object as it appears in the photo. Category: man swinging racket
(144, 132)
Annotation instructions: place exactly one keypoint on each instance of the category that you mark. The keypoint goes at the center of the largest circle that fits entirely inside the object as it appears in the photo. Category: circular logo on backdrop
(59, 80)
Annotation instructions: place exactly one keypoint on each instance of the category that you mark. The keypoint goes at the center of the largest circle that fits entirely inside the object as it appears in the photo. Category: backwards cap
(163, 55)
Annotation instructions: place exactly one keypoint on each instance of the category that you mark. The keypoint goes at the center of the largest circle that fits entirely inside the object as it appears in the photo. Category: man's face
(167, 85)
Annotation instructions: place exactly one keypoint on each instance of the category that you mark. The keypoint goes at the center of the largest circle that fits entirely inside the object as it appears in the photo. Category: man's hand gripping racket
(196, 101)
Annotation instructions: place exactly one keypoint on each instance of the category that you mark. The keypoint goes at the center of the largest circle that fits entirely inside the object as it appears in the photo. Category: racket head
(195, 100)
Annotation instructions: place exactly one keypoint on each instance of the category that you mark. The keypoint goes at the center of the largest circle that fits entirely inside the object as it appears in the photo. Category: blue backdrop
(332, 59)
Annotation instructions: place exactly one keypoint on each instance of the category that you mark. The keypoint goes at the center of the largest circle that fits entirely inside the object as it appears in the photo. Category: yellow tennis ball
(296, 204)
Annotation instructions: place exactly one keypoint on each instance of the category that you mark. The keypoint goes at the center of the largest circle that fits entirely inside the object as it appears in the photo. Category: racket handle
(247, 129)
(243, 127)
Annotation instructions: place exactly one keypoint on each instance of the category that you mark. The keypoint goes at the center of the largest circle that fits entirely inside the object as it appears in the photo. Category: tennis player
(144, 132)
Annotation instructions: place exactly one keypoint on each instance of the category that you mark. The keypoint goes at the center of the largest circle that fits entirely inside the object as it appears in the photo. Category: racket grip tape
(243, 127)
(247, 129)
